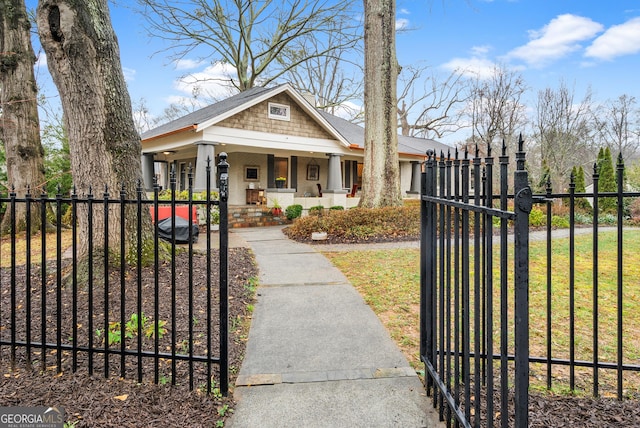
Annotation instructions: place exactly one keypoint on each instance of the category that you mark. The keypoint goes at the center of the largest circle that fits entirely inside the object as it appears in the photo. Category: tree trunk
(19, 123)
(84, 61)
(381, 174)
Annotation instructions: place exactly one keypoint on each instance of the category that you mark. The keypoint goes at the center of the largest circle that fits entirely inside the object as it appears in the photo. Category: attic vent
(279, 111)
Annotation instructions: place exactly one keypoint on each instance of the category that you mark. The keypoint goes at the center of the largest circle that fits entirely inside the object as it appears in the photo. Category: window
(251, 173)
(279, 111)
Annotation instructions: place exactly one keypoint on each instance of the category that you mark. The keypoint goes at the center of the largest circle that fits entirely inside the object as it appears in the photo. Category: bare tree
(562, 132)
(19, 122)
(381, 175)
(256, 38)
(496, 110)
(618, 126)
(84, 61)
(326, 78)
(431, 107)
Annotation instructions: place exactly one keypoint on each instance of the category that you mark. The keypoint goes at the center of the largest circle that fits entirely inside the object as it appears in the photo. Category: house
(280, 148)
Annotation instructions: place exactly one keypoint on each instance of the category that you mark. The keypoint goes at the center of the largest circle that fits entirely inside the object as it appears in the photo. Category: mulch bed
(116, 401)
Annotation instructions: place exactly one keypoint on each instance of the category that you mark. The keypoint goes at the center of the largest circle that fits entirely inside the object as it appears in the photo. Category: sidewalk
(317, 356)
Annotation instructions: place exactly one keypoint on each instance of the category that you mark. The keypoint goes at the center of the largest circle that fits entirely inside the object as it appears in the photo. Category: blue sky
(586, 43)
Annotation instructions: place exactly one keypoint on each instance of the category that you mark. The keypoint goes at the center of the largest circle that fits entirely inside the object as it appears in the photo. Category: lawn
(36, 247)
(389, 282)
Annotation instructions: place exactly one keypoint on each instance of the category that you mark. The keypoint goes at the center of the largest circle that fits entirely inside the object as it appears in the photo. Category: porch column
(334, 175)
(148, 170)
(416, 173)
(206, 149)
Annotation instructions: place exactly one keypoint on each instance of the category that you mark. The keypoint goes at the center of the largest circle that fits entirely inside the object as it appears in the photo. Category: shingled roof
(350, 132)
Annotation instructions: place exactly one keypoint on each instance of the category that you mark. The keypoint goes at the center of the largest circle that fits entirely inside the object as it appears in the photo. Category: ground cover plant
(114, 401)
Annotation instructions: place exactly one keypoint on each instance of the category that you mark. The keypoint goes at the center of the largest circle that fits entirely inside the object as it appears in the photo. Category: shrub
(537, 218)
(390, 223)
(609, 219)
(582, 218)
(317, 210)
(337, 208)
(634, 208)
(183, 195)
(559, 222)
(293, 211)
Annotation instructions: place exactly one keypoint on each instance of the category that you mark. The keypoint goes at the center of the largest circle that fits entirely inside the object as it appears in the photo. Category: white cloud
(561, 36)
(348, 110)
(212, 83)
(480, 50)
(402, 24)
(129, 74)
(404, 12)
(475, 67)
(623, 39)
(187, 64)
(41, 61)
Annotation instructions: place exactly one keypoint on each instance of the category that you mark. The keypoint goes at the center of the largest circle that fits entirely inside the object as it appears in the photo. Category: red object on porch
(181, 211)
(354, 189)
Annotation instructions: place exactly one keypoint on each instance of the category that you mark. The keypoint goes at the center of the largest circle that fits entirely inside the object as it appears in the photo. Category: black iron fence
(597, 314)
(498, 313)
(461, 313)
(83, 302)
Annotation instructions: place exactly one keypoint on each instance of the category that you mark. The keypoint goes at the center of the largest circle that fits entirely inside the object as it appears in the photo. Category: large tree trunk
(84, 61)
(381, 174)
(19, 123)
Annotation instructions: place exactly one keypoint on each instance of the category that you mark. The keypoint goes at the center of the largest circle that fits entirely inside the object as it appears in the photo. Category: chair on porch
(354, 189)
(319, 190)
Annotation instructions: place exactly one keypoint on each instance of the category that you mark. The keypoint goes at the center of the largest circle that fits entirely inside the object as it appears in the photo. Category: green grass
(389, 283)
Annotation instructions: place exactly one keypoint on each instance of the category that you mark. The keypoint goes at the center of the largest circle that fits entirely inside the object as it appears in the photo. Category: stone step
(254, 216)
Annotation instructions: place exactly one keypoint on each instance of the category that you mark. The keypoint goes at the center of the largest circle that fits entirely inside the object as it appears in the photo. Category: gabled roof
(349, 134)
(410, 145)
(215, 113)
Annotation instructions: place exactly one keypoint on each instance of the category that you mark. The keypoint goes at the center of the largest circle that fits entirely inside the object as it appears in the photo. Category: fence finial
(520, 156)
(223, 168)
(521, 144)
(572, 180)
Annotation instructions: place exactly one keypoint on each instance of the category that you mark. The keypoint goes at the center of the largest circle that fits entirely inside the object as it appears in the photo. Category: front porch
(287, 197)
(259, 213)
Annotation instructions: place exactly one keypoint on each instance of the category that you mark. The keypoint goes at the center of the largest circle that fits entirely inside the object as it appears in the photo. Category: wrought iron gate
(474, 338)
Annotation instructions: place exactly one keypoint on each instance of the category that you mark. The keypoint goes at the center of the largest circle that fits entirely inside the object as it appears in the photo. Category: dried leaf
(122, 397)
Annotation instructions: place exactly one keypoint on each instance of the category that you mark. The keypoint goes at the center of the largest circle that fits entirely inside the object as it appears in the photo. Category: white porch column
(148, 170)
(334, 175)
(416, 173)
(206, 150)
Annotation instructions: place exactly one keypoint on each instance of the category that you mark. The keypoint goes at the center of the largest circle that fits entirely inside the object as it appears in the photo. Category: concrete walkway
(317, 355)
